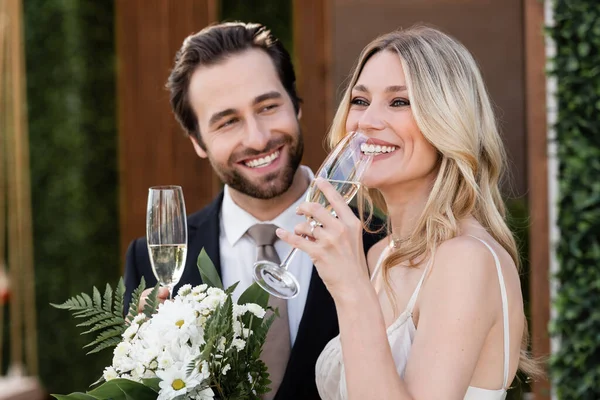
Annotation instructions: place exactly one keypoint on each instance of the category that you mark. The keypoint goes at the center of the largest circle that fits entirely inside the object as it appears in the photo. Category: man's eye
(269, 107)
(230, 121)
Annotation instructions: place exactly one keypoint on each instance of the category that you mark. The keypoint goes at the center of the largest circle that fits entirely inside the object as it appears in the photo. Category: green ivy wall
(575, 368)
(70, 55)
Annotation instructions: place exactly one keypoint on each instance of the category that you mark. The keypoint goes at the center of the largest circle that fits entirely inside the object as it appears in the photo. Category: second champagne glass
(166, 234)
(343, 168)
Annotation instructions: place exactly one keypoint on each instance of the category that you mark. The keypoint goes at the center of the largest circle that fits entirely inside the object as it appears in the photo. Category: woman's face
(379, 107)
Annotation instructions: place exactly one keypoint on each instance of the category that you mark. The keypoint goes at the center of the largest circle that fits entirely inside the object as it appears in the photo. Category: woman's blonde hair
(452, 109)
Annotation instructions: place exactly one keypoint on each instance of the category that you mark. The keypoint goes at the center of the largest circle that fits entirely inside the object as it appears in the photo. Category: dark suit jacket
(319, 321)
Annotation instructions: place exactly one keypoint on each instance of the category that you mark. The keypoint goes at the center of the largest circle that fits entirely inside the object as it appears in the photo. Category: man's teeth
(263, 161)
(376, 149)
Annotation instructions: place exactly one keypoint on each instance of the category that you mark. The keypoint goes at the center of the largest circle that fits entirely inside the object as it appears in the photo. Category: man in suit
(233, 90)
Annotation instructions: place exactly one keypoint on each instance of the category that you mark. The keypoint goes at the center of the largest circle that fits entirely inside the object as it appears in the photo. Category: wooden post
(312, 54)
(153, 148)
(537, 158)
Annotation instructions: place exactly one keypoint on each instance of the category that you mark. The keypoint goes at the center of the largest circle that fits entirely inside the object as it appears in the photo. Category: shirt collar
(236, 221)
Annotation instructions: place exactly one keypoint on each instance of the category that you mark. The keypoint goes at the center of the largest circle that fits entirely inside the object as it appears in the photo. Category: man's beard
(271, 185)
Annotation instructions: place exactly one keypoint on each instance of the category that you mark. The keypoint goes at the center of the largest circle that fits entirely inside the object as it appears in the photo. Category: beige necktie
(276, 351)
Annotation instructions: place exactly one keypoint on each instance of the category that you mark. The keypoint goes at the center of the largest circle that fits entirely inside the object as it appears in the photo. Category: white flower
(175, 382)
(239, 344)
(225, 369)
(126, 376)
(221, 345)
(198, 297)
(130, 332)
(184, 290)
(213, 291)
(122, 350)
(109, 373)
(203, 394)
(165, 361)
(210, 303)
(256, 309)
(175, 319)
(237, 328)
(239, 310)
(139, 319)
(246, 332)
(199, 289)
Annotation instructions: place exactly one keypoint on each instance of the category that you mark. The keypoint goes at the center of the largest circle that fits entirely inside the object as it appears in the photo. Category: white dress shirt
(238, 252)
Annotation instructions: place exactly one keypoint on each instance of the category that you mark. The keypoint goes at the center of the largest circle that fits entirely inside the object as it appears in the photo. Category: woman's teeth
(371, 149)
(263, 161)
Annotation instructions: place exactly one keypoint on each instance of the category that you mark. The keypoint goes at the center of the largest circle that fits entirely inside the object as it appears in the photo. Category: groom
(233, 90)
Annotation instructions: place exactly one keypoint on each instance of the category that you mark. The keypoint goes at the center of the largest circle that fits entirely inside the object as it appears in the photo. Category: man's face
(248, 125)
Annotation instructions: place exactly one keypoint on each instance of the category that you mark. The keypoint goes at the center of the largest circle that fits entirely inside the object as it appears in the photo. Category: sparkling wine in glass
(166, 234)
(343, 168)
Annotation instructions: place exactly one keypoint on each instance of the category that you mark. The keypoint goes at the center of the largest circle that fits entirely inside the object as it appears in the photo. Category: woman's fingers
(337, 202)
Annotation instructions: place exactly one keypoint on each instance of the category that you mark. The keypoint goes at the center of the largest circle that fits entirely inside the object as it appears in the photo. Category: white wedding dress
(330, 376)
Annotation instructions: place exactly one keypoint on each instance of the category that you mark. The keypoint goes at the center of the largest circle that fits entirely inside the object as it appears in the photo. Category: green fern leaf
(106, 324)
(85, 300)
(97, 298)
(99, 315)
(119, 296)
(88, 313)
(152, 302)
(112, 342)
(107, 334)
(96, 320)
(108, 299)
(135, 300)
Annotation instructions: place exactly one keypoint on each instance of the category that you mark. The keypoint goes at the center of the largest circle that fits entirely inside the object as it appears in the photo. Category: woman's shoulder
(465, 261)
(374, 253)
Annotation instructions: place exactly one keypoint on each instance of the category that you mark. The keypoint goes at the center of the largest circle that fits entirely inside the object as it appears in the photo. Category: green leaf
(152, 383)
(208, 272)
(74, 396)
(152, 302)
(108, 295)
(135, 300)
(254, 294)
(231, 288)
(120, 389)
(100, 314)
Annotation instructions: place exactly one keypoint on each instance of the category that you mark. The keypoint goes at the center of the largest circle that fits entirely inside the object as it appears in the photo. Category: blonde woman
(435, 310)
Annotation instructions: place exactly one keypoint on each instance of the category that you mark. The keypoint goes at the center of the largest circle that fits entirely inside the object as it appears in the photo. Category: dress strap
(415, 295)
(384, 254)
(504, 310)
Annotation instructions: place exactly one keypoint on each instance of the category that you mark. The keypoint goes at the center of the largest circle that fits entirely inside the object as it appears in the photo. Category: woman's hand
(335, 244)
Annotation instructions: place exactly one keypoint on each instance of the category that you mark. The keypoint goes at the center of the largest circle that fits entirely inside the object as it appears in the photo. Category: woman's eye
(359, 102)
(400, 103)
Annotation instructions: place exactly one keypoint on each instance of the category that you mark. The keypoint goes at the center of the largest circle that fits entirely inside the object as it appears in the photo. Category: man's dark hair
(212, 45)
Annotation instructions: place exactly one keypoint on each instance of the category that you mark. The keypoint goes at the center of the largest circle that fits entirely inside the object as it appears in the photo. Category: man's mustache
(270, 147)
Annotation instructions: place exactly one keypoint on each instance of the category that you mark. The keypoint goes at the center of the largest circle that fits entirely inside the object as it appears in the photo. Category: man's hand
(162, 295)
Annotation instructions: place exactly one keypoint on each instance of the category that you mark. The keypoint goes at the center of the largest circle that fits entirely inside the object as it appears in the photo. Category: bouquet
(200, 345)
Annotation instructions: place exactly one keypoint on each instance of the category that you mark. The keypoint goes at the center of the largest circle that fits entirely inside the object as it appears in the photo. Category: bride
(435, 310)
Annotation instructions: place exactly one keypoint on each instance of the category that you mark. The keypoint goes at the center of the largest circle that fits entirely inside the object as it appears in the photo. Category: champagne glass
(343, 168)
(166, 234)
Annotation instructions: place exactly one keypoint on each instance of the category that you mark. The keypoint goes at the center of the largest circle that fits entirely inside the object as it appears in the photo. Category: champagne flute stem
(285, 263)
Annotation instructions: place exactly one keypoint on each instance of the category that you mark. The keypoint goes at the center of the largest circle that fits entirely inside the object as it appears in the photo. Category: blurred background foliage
(275, 14)
(71, 93)
(575, 366)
